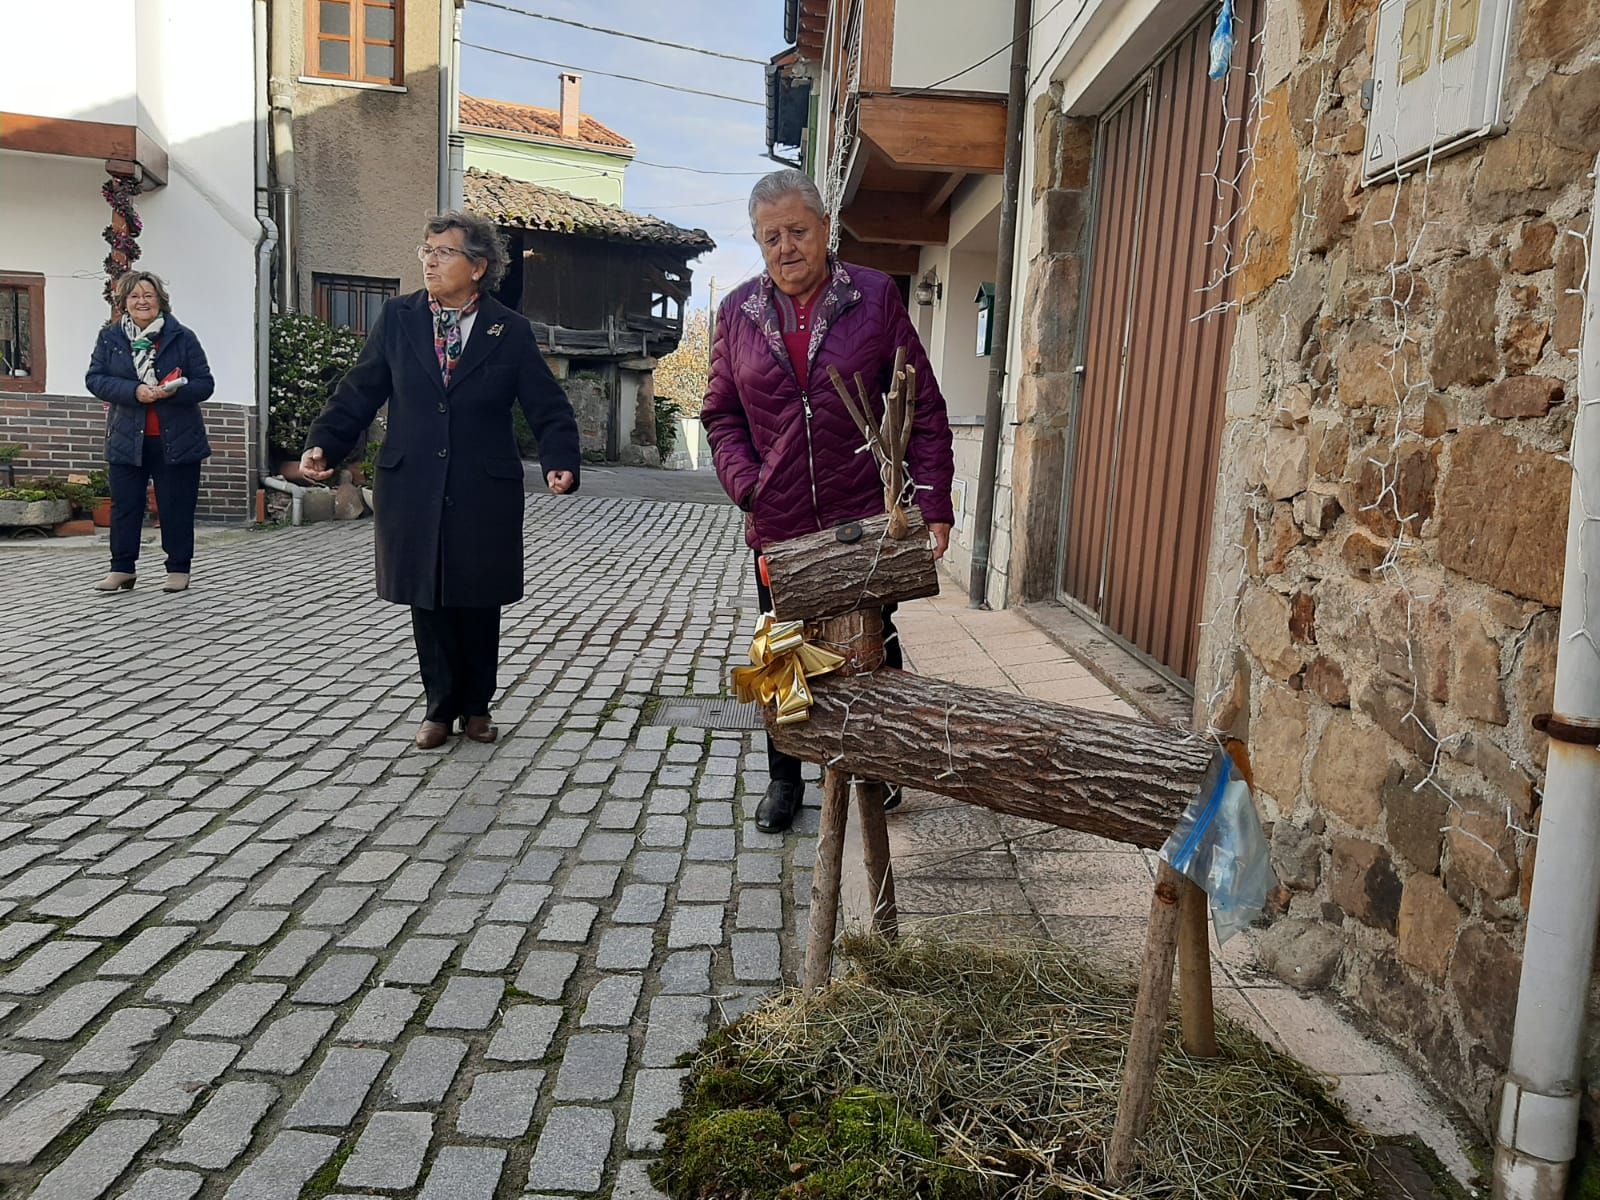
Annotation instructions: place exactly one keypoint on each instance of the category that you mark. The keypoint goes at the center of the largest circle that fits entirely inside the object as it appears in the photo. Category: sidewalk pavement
(976, 870)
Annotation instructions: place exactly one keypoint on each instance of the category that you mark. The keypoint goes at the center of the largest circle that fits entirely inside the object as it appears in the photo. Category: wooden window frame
(33, 382)
(357, 41)
(323, 284)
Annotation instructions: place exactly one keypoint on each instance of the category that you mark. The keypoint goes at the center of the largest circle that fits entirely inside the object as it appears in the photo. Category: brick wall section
(1393, 502)
(67, 434)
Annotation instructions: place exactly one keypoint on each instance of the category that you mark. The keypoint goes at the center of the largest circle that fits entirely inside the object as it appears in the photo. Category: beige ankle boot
(177, 581)
(117, 581)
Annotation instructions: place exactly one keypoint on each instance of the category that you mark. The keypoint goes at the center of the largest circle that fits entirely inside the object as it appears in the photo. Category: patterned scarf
(145, 343)
(447, 340)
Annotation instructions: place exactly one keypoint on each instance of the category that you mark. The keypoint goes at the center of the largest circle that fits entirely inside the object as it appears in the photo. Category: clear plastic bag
(1219, 845)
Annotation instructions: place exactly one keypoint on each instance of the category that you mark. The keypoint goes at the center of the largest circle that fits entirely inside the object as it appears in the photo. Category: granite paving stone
(592, 1066)
(524, 1033)
(222, 1130)
(337, 1090)
(655, 1093)
(281, 1170)
(291, 955)
(467, 1002)
(336, 980)
(173, 1083)
(572, 1150)
(40, 1119)
(288, 1043)
(676, 1025)
(463, 1173)
(45, 965)
(426, 1070)
(390, 1151)
(545, 973)
(159, 1183)
(16, 1066)
(418, 960)
(237, 1012)
(381, 1016)
(612, 1000)
(500, 1104)
(97, 1161)
(193, 976)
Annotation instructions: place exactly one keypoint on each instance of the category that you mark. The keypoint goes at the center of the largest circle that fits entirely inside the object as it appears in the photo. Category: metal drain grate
(698, 713)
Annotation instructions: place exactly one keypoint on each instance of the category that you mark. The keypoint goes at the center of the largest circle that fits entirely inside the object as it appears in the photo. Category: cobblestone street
(256, 946)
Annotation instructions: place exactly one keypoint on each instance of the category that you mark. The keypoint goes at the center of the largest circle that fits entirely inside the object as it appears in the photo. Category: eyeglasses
(443, 253)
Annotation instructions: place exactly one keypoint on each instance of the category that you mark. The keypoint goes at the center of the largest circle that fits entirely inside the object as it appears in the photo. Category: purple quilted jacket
(787, 455)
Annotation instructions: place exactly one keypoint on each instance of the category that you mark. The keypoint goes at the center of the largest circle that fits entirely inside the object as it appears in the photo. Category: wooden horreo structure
(1112, 776)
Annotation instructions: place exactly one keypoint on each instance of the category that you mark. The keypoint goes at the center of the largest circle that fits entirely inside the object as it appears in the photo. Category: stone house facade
(1390, 524)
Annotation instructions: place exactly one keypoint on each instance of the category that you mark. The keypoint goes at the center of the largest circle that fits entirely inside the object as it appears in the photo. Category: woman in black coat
(153, 375)
(450, 361)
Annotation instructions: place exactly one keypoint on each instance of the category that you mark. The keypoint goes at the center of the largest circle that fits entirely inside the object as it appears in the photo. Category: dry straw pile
(953, 1071)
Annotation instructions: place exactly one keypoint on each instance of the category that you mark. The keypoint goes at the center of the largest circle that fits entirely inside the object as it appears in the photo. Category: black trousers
(781, 766)
(177, 493)
(459, 651)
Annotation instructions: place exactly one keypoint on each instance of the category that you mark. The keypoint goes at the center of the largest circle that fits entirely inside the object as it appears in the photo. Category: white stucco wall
(97, 82)
(187, 67)
(934, 39)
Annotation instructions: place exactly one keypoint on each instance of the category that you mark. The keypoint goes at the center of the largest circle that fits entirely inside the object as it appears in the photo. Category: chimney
(570, 85)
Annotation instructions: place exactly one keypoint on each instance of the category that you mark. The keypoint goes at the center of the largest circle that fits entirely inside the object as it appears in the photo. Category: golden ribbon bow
(783, 661)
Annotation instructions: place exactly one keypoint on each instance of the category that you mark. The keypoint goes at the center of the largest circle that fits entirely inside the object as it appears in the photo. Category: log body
(818, 576)
(1117, 777)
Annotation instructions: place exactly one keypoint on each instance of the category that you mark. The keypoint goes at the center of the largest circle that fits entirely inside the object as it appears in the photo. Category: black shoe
(892, 798)
(776, 811)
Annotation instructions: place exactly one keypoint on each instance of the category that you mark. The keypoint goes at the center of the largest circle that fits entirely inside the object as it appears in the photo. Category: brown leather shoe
(479, 729)
(432, 735)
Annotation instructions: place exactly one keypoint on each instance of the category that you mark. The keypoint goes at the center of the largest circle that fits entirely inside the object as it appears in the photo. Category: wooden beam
(877, 45)
(937, 133)
(83, 139)
(895, 218)
(935, 197)
(891, 260)
(1117, 777)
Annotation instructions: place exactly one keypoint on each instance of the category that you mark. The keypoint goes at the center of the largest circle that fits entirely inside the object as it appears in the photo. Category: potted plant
(32, 506)
(100, 485)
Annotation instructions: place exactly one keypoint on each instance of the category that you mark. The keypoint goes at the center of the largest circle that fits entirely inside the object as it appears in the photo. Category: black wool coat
(111, 377)
(448, 491)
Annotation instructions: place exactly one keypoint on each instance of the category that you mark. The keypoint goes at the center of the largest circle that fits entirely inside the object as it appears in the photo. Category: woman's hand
(314, 465)
(560, 482)
(941, 539)
(149, 395)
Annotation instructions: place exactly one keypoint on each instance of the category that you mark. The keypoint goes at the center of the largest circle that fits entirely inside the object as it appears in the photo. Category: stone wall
(66, 435)
(1391, 522)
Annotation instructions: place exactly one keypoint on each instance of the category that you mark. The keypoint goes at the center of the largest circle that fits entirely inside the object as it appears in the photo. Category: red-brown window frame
(323, 286)
(33, 283)
(357, 41)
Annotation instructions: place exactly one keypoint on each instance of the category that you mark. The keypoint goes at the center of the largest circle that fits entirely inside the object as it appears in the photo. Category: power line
(671, 87)
(637, 37)
(632, 162)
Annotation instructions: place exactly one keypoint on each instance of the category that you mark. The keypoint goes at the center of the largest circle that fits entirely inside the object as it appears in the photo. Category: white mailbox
(1438, 80)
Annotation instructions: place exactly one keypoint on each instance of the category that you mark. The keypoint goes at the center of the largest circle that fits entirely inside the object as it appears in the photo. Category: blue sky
(665, 126)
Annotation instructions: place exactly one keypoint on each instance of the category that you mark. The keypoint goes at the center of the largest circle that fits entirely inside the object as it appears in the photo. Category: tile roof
(529, 120)
(512, 202)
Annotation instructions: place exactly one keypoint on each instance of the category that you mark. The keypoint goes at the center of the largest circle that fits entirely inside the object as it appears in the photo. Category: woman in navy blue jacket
(153, 375)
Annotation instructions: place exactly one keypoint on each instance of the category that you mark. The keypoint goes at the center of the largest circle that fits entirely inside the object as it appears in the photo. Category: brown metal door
(1148, 422)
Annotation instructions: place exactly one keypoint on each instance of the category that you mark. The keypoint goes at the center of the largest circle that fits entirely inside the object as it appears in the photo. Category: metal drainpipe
(1005, 261)
(458, 145)
(446, 23)
(264, 250)
(1537, 1135)
(280, 98)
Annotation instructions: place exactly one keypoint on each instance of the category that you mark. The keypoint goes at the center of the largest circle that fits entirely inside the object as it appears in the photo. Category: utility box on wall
(1438, 81)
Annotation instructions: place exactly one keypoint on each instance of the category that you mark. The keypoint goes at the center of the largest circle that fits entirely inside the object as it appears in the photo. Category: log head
(820, 576)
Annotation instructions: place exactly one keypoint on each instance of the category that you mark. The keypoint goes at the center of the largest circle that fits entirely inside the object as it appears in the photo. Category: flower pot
(102, 512)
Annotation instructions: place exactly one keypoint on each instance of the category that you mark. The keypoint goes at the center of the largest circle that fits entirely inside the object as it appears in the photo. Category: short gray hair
(787, 182)
(480, 239)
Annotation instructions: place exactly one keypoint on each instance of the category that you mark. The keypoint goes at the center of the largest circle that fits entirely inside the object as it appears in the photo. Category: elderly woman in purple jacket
(783, 442)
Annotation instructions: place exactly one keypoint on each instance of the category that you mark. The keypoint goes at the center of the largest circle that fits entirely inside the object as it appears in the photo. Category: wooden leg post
(1194, 973)
(1149, 1024)
(875, 855)
(825, 879)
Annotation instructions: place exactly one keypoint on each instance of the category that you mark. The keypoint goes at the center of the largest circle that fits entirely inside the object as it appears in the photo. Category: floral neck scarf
(447, 339)
(145, 343)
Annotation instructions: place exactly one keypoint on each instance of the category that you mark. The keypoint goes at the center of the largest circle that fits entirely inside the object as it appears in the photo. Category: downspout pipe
(280, 98)
(1005, 264)
(452, 147)
(1537, 1135)
(265, 248)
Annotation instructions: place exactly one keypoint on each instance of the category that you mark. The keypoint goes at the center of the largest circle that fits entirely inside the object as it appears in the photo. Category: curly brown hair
(129, 280)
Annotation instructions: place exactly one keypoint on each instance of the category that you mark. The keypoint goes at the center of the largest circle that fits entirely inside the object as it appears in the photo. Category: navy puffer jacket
(113, 379)
(788, 455)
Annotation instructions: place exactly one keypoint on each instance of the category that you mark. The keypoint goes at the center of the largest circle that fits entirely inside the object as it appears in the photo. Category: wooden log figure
(868, 726)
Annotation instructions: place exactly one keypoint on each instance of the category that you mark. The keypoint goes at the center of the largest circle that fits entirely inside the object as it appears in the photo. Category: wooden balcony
(125, 149)
(907, 144)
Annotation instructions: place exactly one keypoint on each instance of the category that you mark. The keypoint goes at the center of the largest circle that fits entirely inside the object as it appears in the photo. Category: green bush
(308, 359)
(667, 414)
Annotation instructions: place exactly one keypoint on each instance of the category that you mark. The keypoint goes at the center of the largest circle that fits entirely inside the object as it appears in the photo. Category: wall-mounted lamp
(929, 290)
